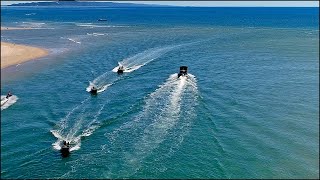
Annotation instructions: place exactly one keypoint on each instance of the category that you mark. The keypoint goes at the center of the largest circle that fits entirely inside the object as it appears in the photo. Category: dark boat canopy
(94, 90)
(65, 149)
(183, 69)
(120, 70)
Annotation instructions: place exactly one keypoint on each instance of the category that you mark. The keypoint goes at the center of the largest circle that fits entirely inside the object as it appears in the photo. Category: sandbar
(12, 54)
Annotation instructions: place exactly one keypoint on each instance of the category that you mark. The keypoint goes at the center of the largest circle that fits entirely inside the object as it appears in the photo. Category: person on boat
(93, 88)
(120, 69)
(65, 149)
(8, 95)
(65, 144)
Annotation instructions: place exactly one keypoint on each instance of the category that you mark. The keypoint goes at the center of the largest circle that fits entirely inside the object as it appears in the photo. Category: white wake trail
(162, 115)
(75, 125)
(141, 59)
(130, 64)
(133, 63)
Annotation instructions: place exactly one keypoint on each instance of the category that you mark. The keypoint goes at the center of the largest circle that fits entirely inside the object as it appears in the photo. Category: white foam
(70, 39)
(90, 25)
(134, 63)
(5, 103)
(100, 88)
(30, 14)
(161, 113)
(96, 34)
(141, 59)
(73, 130)
(34, 24)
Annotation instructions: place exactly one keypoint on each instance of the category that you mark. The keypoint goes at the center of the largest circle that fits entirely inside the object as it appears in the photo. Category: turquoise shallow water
(250, 108)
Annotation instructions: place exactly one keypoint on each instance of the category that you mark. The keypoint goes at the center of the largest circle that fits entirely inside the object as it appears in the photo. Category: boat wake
(103, 81)
(80, 122)
(130, 64)
(100, 88)
(135, 62)
(161, 125)
(5, 103)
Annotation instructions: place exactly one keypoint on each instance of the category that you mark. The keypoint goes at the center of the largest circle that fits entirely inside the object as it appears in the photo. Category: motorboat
(94, 91)
(65, 149)
(183, 71)
(5, 99)
(120, 69)
(102, 19)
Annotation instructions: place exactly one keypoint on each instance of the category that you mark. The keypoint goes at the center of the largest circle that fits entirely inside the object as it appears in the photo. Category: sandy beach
(12, 54)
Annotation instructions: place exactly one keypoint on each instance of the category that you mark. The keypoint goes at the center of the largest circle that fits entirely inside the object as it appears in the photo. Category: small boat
(94, 91)
(183, 71)
(6, 99)
(102, 19)
(65, 149)
(120, 70)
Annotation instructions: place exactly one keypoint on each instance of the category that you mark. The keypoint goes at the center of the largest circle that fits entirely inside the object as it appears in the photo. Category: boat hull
(65, 151)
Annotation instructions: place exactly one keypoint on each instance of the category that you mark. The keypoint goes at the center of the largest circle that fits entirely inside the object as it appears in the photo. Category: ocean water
(249, 108)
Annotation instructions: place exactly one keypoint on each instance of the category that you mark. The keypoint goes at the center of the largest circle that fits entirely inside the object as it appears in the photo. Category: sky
(216, 3)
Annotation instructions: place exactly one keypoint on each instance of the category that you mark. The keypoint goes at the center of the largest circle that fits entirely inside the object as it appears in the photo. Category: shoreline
(13, 54)
(18, 28)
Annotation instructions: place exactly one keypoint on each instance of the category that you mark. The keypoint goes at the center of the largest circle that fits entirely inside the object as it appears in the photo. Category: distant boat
(120, 69)
(65, 149)
(102, 19)
(183, 71)
(94, 91)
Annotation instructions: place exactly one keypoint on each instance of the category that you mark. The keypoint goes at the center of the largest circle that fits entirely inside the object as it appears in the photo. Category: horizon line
(202, 3)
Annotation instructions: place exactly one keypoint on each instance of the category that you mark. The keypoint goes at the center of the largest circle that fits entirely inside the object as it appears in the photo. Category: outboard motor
(183, 71)
(94, 91)
(65, 149)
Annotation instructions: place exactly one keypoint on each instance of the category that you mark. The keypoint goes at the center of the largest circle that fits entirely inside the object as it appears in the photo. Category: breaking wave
(96, 34)
(91, 25)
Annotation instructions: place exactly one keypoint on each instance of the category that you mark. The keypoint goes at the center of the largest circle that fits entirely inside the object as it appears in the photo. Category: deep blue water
(249, 108)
